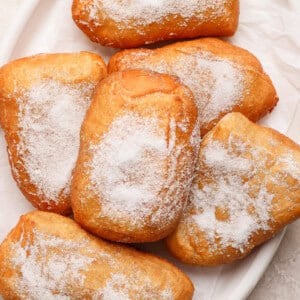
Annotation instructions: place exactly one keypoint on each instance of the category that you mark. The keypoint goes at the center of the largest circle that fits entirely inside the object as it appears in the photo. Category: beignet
(132, 23)
(43, 100)
(48, 256)
(139, 144)
(223, 77)
(247, 188)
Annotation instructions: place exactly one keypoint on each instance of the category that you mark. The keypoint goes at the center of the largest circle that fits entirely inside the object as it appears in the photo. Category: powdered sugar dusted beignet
(132, 23)
(246, 190)
(43, 100)
(223, 77)
(47, 256)
(137, 154)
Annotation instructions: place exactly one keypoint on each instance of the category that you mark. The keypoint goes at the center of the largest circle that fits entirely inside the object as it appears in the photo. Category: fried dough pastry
(139, 144)
(132, 23)
(223, 77)
(48, 256)
(43, 100)
(246, 190)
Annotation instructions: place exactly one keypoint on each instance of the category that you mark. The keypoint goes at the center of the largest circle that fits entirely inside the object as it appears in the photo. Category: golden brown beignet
(139, 143)
(246, 190)
(43, 100)
(223, 77)
(47, 256)
(132, 23)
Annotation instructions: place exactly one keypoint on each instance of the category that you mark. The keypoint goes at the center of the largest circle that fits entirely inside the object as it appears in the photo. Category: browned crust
(285, 205)
(147, 94)
(110, 33)
(149, 265)
(68, 68)
(259, 96)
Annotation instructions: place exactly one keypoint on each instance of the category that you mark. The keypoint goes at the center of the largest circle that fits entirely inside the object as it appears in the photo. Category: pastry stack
(161, 144)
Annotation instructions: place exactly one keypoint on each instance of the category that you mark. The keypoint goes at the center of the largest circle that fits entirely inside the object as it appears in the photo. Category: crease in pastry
(246, 189)
(47, 256)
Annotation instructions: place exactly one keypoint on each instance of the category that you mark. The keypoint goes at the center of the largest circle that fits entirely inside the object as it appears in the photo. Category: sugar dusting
(217, 84)
(123, 287)
(290, 165)
(134, 13)
(49, 266)
(134, 165)
(52, 268)
(246, 205)
(50, 116)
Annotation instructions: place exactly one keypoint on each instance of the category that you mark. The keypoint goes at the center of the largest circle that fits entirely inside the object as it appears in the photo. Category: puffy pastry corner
(43, 99)
(139, 144)
(49, 256)
(247, 188)
(128, 24)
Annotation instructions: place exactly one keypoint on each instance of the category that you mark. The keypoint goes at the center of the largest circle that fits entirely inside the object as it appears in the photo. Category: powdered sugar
(120, 287)
(245, 205)
(50, 116)
(133, 165)
(219, 159)
(217, 84)
(49, 267)
(54, 268)
(124, 168)
(143, 12)
(290, 165)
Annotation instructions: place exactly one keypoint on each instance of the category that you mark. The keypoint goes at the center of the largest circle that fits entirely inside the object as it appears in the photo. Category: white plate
(46, 26)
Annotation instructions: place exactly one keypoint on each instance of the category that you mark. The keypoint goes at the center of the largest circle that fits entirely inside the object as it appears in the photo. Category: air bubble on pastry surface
(145, 12)
(50, 115)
